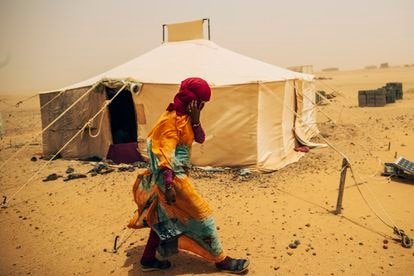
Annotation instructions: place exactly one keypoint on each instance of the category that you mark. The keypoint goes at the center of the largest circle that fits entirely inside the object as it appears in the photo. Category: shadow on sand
(183, 263)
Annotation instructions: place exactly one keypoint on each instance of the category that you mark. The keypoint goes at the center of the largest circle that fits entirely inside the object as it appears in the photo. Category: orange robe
(169, 146)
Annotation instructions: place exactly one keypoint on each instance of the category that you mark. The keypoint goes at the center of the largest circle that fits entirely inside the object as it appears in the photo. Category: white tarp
(173, 62)
(250, 120)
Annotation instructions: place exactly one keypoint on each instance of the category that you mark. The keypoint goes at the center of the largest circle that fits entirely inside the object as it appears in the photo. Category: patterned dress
(169, 147)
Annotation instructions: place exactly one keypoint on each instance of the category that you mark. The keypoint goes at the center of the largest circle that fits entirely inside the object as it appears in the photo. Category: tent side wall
(276, 140)
(150, 103)
(229, 121)
(66, 127)
(231, 127)
(305, 93)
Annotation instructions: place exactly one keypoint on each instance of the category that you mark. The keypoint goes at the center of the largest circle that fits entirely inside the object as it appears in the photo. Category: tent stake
(341, 186)
(3, 205)
(114, 250)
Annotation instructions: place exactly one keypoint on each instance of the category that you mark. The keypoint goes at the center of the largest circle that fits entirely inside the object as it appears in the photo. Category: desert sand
(68, 228)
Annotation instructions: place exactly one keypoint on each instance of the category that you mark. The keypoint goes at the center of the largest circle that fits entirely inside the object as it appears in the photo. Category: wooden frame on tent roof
(186, 30)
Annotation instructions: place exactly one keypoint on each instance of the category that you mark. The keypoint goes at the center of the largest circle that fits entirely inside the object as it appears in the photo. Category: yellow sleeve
(164, 139)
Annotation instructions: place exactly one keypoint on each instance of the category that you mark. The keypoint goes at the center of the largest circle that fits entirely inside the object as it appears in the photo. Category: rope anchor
(4, 203)
(115, 250)
(345, 166)
(405, 240)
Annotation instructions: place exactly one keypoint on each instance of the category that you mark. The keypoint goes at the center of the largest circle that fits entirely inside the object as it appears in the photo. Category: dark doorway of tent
(123, 127)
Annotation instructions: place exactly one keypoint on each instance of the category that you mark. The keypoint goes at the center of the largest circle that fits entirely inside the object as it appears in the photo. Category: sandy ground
(68, 228)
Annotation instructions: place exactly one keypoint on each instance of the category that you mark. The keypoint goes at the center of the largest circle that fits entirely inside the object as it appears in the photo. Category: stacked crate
(362, 98)
(380, 97)
(397, 87)
(366, 98)
(391, 92)
(370, 97)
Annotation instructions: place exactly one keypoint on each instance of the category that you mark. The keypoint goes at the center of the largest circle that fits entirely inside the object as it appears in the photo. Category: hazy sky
(47, 44)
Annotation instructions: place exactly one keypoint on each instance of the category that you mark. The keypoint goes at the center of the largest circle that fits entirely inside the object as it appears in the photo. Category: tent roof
(172, 62)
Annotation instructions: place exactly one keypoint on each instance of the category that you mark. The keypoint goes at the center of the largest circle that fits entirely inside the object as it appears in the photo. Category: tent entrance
(123, 128)
(122, 117)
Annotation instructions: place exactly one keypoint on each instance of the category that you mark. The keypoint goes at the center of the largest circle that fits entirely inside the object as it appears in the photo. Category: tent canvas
(250, 120)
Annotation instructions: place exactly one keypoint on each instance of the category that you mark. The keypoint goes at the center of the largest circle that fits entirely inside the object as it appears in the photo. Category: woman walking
(167, 201)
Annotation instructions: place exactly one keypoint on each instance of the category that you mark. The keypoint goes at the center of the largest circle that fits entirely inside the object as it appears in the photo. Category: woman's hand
(193, 110)
(170, 195)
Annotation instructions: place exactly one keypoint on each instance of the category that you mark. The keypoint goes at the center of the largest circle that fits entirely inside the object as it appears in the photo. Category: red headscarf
(190, 89)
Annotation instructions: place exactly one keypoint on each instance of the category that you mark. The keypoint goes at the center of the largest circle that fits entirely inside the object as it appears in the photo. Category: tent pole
(208, 26)
(163, 32)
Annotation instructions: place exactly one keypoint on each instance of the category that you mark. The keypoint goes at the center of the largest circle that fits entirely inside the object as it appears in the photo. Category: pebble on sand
(293, 245)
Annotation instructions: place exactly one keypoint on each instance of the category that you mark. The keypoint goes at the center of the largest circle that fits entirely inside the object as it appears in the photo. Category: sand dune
(68, 228)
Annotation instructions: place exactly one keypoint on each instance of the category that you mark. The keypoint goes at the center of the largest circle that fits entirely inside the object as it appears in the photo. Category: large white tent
(257, 113)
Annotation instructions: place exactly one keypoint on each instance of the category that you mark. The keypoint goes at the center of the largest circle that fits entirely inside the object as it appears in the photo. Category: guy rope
(88, 123)
(404, 239)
